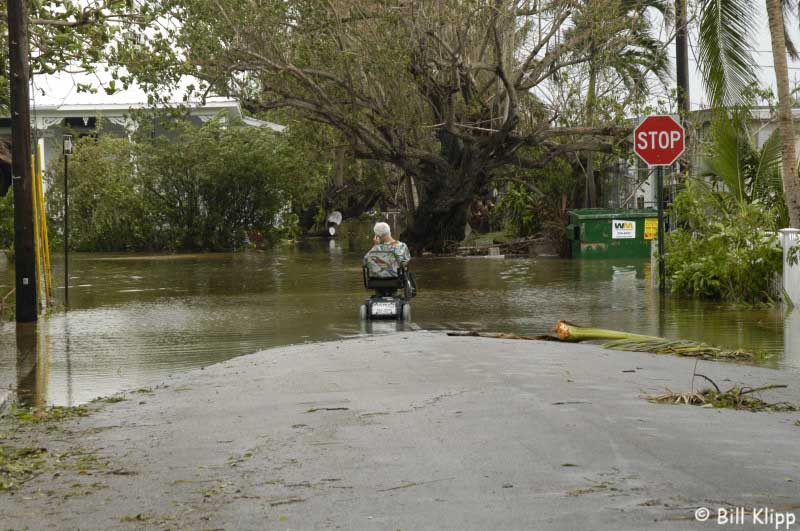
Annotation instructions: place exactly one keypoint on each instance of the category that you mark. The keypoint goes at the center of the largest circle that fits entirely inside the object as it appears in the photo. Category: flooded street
(135, 319)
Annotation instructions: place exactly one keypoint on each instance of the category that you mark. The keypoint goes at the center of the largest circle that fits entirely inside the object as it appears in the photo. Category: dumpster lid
(612, 213)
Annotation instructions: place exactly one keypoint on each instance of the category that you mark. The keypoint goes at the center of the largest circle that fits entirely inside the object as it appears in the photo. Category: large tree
(630, 67)
(75, 36)
(70, 36)
(447, 91)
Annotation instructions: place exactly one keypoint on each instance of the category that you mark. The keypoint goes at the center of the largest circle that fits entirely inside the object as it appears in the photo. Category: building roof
(57, 96)
(43, 116)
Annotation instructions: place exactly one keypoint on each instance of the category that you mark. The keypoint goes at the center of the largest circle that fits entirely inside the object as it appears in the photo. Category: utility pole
(24, 248)
(682, 58)
(682, 71)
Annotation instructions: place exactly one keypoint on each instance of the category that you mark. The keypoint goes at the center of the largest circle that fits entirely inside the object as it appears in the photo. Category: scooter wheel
(406, 312)
(362, 312)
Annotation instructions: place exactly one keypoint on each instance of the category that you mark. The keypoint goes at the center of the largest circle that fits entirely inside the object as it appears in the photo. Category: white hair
(382, 229)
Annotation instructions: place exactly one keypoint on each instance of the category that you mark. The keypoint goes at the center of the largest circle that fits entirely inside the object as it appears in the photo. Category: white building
(50, 122)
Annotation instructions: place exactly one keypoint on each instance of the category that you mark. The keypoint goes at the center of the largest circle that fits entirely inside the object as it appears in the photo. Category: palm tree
(724, 47)
(748, 174)
(642, 54)
(728, 70)
(791, 186)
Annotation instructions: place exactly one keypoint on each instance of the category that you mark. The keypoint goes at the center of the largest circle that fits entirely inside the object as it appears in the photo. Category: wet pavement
(417, 431)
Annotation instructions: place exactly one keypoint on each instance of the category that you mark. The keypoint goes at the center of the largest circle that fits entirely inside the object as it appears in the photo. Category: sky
(61, 89)
(762, 54)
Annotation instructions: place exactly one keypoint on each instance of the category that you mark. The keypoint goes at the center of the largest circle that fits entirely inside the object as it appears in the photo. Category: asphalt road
(416, 430)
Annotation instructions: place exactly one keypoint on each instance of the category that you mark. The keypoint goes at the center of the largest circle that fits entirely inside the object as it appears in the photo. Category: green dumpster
(611, 233)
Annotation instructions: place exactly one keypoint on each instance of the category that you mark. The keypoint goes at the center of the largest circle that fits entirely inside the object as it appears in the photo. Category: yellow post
(41, 243)
(36, 234)
(48, 276)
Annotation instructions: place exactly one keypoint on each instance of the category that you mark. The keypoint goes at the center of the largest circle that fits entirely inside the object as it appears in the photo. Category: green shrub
(7, 221)
(519, 211)
(722, 251)
(207, 187)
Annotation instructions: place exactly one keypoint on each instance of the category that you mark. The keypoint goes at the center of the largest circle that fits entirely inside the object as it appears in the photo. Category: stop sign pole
(659, 140)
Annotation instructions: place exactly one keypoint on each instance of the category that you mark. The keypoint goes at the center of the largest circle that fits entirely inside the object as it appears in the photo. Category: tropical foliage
(446, 91)
(208, 187)
(742, 172)
(721, 254)
(724, 49)
(532, 201)
(725, 42)
(608, 69)
(76, 36)
(725, 245)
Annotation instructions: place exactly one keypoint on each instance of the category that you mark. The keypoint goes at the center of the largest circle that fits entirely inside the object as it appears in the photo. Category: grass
(48, 414)
(19, 464)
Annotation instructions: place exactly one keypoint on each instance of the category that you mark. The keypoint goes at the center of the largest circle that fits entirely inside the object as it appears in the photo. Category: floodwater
(134, 319)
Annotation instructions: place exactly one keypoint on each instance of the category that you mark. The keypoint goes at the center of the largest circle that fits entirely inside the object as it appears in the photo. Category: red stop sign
(659, 140)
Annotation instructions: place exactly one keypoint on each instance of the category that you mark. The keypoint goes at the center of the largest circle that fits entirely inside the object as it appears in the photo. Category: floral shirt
(385, 259)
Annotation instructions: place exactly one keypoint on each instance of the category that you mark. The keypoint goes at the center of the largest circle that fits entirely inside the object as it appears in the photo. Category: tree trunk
(445, 196)
(441, 217)
(438, 225)
(791, 187)
(411, 203)
(591, 188)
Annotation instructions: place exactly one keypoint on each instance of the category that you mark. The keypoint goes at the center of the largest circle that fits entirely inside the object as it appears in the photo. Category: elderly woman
(387, 254)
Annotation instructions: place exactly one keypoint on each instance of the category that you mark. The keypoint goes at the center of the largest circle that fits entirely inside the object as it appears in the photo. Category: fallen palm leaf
(573, 333)
(680, 347)
(617, 340)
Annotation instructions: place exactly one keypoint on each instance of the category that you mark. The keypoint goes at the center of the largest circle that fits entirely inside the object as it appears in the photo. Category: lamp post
(67, 153)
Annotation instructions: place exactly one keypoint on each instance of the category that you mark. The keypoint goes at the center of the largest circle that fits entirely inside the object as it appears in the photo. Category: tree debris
(617, 340)
(734, 398)
(47, 414)
(500, 335)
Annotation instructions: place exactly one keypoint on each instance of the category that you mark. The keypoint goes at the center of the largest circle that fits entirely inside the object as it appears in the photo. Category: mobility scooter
(387, 303)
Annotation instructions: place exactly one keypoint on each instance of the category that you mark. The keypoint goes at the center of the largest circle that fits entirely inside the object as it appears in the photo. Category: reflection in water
(136, 319)
(68, 358)
(791, 346)
(33, 365)
(386, 327)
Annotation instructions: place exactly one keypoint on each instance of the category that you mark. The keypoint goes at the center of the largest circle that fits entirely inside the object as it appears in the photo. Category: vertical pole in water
(660, 200)
(67, 152)
(24, 247)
